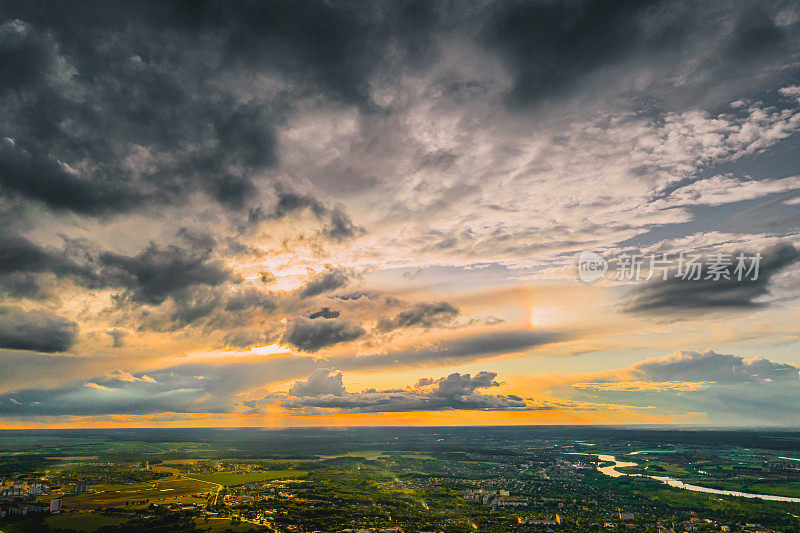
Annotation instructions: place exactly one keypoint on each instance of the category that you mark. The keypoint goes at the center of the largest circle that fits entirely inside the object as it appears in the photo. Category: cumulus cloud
(324, 390)
(35, 330)
(726, 389)
(321, 381)
(712, 366)
(458, 384)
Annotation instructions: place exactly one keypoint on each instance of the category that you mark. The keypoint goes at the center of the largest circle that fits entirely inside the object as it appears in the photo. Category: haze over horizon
(324, 213)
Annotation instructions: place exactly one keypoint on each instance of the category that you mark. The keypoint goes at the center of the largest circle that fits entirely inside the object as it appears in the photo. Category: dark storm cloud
(210, 308)
(150, 276)
(189, 273)
(552, 45)
(139, 106)
(22, 262)
(325, 312)
(287, 203)
(249, 299)
(106, 129)
(677, 295)
(23, 285)
(423, 314)
(329, 279)
(552, 48)
(26, 58)
(37, 175)
(21, 255)
(157, 273)
(192, 306)
(312, 335)
(109, 107)
(339, 226)
(333, 46)
(324, 390)
(35, 330)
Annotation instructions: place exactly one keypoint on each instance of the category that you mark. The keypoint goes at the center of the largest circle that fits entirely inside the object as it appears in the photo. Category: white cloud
(723, 189)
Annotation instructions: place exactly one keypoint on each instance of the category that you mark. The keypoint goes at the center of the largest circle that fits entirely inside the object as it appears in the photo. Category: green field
(658, 468)
(776, 488)
(240, 478)
(166, 489)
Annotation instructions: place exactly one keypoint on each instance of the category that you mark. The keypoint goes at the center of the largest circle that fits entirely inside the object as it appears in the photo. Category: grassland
(163, 490)
(230, 479)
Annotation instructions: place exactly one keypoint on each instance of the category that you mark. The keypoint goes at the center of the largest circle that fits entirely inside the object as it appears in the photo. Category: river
(677, 483)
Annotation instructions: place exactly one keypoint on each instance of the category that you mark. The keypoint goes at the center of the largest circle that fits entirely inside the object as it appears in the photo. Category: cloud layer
(201, 205)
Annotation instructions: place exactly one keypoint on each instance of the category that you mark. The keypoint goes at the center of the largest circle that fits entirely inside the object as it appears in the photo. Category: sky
(332, 213)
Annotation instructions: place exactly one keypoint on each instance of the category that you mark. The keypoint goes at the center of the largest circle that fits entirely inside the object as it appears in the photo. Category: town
(441, 479)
